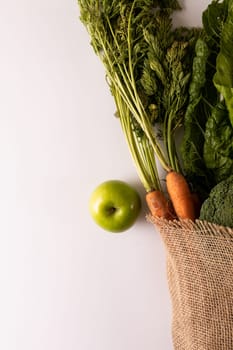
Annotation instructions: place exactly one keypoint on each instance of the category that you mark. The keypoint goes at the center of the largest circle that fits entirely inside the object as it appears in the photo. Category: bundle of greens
(147, 65)
(164, 79)
(207, 118)
(207, 145)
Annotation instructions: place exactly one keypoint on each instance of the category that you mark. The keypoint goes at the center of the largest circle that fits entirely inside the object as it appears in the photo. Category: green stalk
(169, 140)
(120, 73)
(129, 90)
(129, 94)
(139, 147)
(142, 118)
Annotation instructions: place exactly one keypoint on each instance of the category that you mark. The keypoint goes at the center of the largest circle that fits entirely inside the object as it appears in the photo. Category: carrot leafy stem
(147, 70)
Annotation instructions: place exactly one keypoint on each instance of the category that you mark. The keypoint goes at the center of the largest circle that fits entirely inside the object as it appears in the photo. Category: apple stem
(111, 210)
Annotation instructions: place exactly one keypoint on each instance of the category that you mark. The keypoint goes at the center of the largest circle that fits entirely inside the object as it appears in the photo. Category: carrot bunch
(181, 203)
(147, 65)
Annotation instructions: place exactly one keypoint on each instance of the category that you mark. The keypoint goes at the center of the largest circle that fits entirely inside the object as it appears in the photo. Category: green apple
(114, 205)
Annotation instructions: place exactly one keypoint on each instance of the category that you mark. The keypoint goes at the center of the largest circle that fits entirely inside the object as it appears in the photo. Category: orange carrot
(159, 205)
(180, 195)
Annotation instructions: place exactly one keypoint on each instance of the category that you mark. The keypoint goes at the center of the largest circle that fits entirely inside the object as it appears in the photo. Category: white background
(65, 283)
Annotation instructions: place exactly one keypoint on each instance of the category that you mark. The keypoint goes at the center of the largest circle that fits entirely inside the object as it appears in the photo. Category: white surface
(65, 283)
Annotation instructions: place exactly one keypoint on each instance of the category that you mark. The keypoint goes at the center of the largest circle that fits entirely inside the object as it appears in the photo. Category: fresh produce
(207, 144)
(218, 208)
(159, 206)
(218, 147)
(168, 82)
(115, 205)
(223, 78)
(180, 195)
(147, 67)
(196, 115)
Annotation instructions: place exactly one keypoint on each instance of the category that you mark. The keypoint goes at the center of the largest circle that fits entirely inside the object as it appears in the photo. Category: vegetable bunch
(209, 161)
(163, 79)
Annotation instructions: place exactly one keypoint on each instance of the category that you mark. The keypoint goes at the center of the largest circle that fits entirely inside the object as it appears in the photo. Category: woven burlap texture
(200, 280)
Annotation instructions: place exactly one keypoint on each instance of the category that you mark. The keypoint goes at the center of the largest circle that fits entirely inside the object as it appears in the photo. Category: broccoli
(218, 207)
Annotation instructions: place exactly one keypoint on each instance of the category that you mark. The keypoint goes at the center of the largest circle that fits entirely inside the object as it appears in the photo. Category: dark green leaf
(218, 147)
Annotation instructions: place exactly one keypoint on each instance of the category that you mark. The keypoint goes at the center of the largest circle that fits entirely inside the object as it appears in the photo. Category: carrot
(180, 195)
(159, 205)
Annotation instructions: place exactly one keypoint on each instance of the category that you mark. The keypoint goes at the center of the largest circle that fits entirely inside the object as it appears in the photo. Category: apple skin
(114, 205)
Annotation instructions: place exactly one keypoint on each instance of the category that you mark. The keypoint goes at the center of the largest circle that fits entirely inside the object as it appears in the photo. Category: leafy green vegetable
(192, 142)
(207, 159)
(201, 98)
(218, 208)
(117, 30)
(147, 66)
(218, 147)
(213, 19)
(165, 79)
(223, 78)
(175, 98)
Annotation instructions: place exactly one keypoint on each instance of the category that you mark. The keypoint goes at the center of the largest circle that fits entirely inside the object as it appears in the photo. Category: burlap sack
(200, 279)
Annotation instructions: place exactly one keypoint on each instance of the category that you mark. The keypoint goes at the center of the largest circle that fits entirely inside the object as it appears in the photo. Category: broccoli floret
(218, 207)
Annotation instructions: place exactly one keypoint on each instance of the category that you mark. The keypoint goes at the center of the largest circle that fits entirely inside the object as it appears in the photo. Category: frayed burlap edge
(200, 226)
(200, 279)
